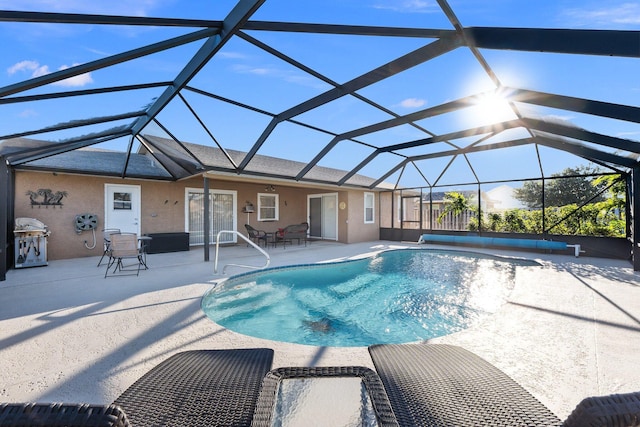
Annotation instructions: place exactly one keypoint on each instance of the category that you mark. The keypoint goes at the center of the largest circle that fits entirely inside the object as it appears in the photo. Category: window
(122, 201)
(268, 207)
(369, 199)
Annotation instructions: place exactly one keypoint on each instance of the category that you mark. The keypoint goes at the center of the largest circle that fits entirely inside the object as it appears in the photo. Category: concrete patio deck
(570, 329)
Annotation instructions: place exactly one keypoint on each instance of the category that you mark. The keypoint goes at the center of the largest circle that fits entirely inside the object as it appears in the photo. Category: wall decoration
(45, 197)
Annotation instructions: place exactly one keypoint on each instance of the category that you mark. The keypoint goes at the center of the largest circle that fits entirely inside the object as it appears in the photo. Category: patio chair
(124, 246)
(256, 235)
(199, 388)
(445, 385)
(106, 243)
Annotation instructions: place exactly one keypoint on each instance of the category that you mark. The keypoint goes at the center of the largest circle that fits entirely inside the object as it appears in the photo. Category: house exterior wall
(384, 210)
(352, 218)
(86, 194)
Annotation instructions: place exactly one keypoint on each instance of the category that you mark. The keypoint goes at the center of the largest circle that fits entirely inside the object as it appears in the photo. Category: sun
(493, 107)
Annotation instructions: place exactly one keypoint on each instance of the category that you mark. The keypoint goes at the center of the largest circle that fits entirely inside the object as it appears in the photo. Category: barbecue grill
(30, 242)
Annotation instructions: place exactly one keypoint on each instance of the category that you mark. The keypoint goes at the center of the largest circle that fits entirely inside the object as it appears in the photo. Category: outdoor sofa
(292, 232)
(413, 385)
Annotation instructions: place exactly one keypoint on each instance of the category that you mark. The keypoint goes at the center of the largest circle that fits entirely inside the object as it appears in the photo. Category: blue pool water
(394, 297)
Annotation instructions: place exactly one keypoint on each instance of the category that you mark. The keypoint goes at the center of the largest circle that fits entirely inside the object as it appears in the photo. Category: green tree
(495, 221)
(514, 221)
(530, 194)
(577, 188)
(616, 194)
(455, 203)
(612, 212)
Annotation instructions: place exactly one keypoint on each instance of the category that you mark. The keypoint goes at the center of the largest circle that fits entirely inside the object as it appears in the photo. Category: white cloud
(37, 70)
(628, 134)
(26, 114)
(260, 71)
(559, 119)
(75, 81)
(40, 71)
(412, 103)
(22, 66)
(280, 74)
(408, 6)
(246, 69)
(623, 14)
(231, 55)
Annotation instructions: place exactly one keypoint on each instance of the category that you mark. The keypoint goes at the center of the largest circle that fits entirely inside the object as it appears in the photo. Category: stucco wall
(163, 208)
(84, 194)
(358, 231)
(385, 210)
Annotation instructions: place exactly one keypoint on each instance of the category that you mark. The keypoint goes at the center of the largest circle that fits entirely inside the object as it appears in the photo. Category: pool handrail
(215, 264)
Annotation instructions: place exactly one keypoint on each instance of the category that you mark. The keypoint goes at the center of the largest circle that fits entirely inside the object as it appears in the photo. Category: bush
(595, 219)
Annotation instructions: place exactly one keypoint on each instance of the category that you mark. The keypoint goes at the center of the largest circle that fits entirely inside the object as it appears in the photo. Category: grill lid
(30, 225)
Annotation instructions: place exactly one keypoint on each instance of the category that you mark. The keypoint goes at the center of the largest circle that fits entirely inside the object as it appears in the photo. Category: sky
(248, 75)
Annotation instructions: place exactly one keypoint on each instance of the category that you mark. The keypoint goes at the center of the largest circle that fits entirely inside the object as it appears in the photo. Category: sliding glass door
(222, 215)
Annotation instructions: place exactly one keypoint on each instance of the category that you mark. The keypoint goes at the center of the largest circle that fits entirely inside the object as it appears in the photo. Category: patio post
(5, 194)
(205, 228)
(635, 234)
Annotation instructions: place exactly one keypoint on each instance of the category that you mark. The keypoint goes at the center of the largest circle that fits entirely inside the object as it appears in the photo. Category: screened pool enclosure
(481, 101)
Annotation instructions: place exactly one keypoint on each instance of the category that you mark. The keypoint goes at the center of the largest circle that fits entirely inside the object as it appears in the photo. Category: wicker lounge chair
(444, 385)
(61, 415)
(191, 388)
(199, 388)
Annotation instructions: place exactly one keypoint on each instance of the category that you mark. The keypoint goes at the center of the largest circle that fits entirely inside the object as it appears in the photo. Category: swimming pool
(396, 296)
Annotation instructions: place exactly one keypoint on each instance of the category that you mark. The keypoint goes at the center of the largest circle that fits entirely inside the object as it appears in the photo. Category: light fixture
(270, 188)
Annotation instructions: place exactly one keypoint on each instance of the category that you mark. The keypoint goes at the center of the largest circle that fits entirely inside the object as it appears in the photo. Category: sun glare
(493, 107)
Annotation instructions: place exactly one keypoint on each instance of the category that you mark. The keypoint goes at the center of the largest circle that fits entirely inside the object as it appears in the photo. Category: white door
(122, 207)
